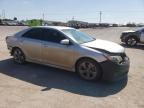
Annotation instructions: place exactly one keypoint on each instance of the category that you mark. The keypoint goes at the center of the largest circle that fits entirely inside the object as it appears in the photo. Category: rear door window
(35, 33)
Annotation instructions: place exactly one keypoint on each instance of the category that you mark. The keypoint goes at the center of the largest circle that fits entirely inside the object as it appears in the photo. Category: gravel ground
(37, 86)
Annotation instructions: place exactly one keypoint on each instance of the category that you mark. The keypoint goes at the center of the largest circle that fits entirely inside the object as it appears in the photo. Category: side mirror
(65, 42)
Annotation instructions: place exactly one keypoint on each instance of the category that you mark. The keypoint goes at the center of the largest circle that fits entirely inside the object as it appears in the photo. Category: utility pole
(43, 17)
(73, 18)
(100, 20)
(3, 14)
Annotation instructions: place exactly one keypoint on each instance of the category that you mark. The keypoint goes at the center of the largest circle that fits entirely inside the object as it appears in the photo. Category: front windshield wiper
(88, 41)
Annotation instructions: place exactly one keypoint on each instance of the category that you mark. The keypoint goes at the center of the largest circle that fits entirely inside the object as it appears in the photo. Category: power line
(89, 12)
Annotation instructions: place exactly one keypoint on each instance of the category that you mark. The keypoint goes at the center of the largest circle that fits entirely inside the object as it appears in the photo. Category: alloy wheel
(131, 41)
(18, 56)
(88, 70)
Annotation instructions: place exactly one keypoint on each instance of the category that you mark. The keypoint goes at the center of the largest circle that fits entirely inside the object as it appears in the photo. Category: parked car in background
(70, 49)
(131, 38)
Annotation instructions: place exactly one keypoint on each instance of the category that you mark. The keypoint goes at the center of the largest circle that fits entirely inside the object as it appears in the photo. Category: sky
(113, 11)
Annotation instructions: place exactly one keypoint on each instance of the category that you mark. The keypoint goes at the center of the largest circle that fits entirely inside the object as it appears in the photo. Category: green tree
(34, 22)
(15, 18)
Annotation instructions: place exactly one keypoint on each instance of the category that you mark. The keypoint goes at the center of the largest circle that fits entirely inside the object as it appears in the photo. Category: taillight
(7, 37)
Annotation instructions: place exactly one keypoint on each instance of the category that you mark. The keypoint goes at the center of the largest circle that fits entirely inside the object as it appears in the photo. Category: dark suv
(131, 38)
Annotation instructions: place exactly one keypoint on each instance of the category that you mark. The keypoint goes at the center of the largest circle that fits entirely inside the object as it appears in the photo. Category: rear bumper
(113, 71)
(10, 49)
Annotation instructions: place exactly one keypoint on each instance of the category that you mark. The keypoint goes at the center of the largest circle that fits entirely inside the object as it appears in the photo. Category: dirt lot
(37, 86)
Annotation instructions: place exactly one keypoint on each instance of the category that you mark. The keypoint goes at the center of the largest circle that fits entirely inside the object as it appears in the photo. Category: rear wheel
(131, 41)
(88, 69)
(18, 56)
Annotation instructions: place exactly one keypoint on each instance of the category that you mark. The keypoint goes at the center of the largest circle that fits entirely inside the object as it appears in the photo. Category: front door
(142, 36)
(55, 53)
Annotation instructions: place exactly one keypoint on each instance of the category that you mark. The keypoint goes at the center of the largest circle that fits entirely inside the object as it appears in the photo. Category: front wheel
(88, 69)
(18, 56)
(131, 41)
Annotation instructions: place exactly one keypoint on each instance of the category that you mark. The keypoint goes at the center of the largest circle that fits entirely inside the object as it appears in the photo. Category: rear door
(32, 43)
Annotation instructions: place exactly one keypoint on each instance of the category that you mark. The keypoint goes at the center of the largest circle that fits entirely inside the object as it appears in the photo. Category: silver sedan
(69, 49)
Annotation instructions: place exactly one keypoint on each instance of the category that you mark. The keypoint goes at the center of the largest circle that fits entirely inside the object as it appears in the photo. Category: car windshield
(78, 36)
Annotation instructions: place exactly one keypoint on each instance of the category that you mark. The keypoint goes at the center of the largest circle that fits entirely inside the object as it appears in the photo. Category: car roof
(54, 27)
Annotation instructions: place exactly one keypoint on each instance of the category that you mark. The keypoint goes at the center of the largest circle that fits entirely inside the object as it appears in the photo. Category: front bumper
(123, 38)
(113, 71)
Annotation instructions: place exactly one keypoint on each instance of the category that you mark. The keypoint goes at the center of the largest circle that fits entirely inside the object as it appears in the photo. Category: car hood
(105, 45)
(129, 31)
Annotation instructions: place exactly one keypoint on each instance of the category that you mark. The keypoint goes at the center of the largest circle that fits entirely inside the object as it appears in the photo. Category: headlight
(113, 58)
(116, 59)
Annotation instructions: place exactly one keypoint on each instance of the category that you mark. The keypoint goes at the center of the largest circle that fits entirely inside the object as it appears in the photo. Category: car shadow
(48, 77)
(138, 46)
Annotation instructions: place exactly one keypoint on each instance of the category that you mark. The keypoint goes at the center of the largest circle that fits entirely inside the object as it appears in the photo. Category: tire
(18, 56)
(89, 70)
(131, 41)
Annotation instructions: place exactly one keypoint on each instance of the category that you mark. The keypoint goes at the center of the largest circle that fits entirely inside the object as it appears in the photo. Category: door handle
(21, 41)
(45, 45)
